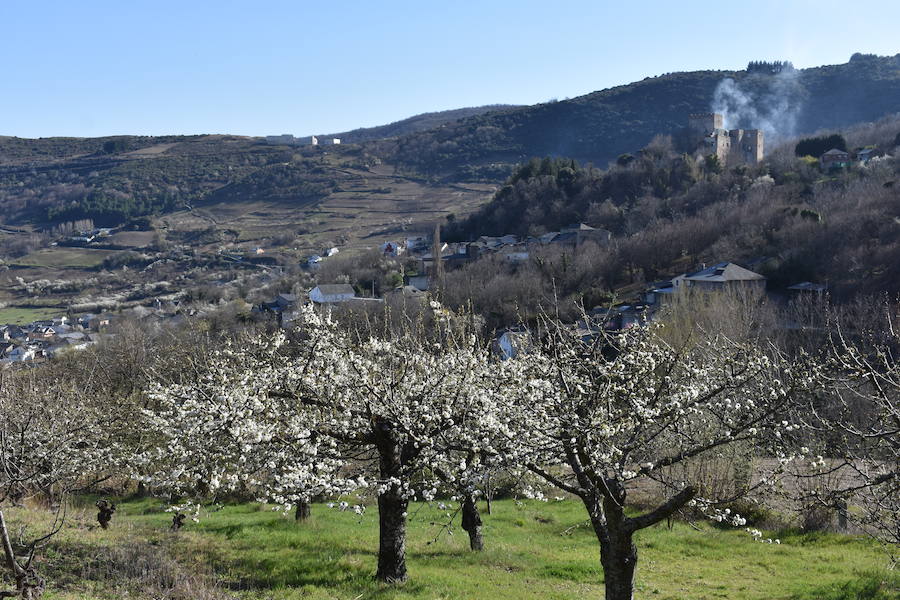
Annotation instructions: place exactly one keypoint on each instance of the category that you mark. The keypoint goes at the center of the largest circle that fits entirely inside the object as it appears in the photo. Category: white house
(331, 293)
(21, 354)
(513, 341)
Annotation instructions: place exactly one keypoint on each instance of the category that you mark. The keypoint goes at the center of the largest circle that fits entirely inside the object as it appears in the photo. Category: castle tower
(752, 146)
(746, 146)
(735, 147)
(705, 123)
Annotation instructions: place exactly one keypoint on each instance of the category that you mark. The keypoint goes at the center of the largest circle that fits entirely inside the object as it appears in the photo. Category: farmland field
(22, 316)
(63, 258)
(533, 550)
(134, 239)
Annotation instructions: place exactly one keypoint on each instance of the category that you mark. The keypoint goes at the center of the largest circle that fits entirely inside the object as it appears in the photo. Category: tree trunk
(302, 512)
(618, 554)
(142, 491)
(9, 558)
(619, 559)
(392, 505)
(29, 586)
(471, 522)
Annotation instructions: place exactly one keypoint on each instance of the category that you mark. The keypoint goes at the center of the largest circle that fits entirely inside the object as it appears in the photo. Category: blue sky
(97, 67)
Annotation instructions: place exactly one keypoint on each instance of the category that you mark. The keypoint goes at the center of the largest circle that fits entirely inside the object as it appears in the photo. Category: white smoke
(768, 102)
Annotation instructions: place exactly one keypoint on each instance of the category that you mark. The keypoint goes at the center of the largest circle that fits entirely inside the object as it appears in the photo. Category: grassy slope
(532, 552)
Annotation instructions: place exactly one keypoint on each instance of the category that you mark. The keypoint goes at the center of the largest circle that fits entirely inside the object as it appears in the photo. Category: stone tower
(705, 123)
(734, 147)
(746, 146)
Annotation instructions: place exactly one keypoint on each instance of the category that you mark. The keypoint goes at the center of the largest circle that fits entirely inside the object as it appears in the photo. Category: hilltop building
(285, 139)
(732, 147)
(288, 139)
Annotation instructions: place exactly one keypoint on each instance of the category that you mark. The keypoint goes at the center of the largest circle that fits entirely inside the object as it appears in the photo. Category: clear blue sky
(98, 67)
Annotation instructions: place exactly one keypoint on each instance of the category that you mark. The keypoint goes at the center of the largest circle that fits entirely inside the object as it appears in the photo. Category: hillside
(112, 180)
(786, 218)
(414, 124)
(599, 126)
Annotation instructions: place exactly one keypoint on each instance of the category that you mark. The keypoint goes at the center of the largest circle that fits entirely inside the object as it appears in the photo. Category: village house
(577, 234)
(285, 301)
(719, 277)
(417, 243)
(99, 322)
(406, 293)
(725, 275)
(617, 318)
(420, 282)
(41, 333)
(23, 354)
(834, 159)
(867, 154)
(332, 293)
(12, 332)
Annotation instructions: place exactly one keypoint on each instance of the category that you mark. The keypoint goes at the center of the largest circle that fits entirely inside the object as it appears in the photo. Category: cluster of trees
(817, 146)
(412, 412)
(112, 207)
(111, 187)
(769, 67)
(546, 194)
(297, 181)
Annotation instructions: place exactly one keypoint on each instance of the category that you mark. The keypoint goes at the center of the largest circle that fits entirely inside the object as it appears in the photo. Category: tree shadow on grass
(872, 585)
(304, 565)
(248, 562)
(296, 567)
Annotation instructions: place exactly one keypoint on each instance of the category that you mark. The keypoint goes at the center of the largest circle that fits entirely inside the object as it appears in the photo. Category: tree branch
(663, 511)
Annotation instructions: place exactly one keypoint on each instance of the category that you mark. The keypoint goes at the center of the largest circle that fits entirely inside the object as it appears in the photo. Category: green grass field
(533, 550)
(64, 258)
(22, 316)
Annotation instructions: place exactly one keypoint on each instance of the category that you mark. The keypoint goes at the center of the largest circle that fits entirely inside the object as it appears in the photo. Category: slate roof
(330, 289)
(722, 272)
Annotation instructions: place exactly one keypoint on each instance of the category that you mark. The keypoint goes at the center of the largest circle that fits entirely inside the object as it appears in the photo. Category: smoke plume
(768, 102)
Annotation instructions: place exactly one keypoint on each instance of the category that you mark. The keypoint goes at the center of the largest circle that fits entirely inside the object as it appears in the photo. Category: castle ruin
(732, 147)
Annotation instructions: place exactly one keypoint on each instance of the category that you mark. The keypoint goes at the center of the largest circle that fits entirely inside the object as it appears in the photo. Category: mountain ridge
(415, 123)
(119, 177)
